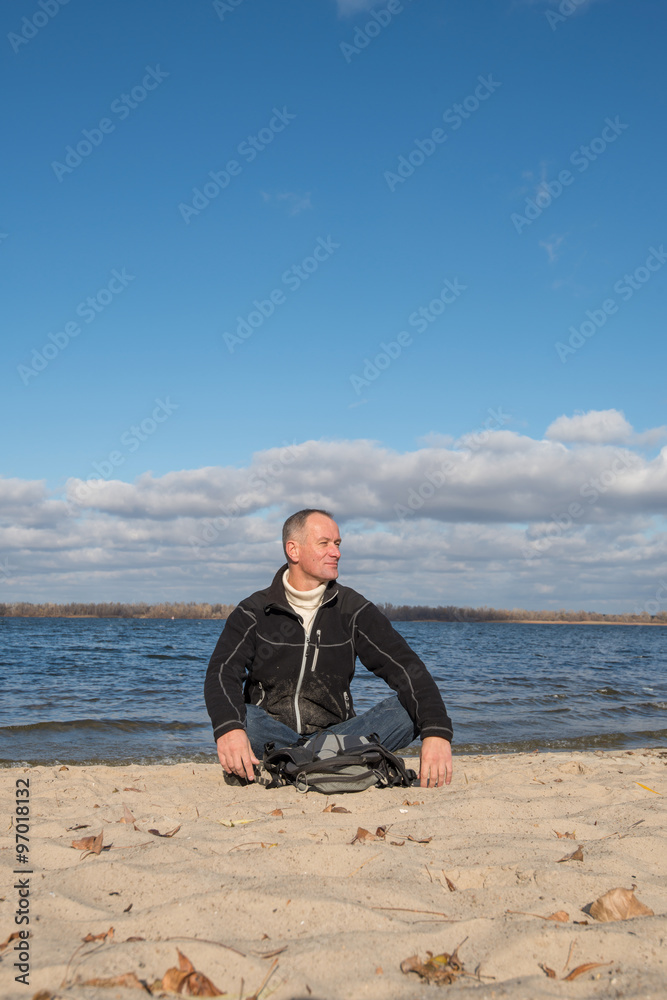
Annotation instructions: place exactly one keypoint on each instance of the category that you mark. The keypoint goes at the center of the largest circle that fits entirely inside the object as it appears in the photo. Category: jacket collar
(277, 599)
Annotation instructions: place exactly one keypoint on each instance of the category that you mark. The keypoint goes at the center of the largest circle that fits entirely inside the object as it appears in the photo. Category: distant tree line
(74, 610)
(420, 612)
(395, 613)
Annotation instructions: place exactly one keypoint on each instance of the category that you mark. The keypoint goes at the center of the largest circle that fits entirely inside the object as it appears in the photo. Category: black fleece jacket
(263, 657)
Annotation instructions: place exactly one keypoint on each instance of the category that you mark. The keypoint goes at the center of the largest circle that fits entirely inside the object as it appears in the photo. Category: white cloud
(602, 427)
(594, 427)
(494, 518)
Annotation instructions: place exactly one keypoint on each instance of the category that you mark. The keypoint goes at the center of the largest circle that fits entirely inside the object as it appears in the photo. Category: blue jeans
(394, 727)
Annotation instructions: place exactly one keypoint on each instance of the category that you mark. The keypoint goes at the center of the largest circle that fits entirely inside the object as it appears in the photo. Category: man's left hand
(435, 762)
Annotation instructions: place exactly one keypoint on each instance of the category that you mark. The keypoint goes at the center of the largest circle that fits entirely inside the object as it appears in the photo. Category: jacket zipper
(304, 658)
(317, 650)
(299, 683)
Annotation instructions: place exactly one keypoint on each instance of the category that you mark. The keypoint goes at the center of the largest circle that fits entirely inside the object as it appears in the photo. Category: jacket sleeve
(232, 658)
(385, 652)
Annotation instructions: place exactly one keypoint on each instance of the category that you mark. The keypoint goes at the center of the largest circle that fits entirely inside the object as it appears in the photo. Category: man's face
(316, 552)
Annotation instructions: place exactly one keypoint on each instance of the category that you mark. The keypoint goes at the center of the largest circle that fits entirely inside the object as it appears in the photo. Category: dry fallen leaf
(127, 816)
(560, 916)
(397, 843)
(440, 969)
(99, 937)
(549, 972)
(415, 803)
(79, 826)
(276, 812)
(363, 835)
(569, 836)
(618, 904)
(130, 789)
(450, 884)
(335, 809)
(187, 981)
(91, 844)
(235, 822)
(647, 788)
(577, 855)
(581, 969)
(12, 937)
(381, 832)
(420, 840)
(170, 833)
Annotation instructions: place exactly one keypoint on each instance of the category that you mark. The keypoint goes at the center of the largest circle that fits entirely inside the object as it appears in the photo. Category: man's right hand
(235, 754)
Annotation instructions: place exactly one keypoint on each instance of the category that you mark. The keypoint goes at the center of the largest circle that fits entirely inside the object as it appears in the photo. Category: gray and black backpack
(332, 764)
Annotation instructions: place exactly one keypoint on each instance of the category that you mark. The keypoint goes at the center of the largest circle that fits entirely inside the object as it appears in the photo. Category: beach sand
(338, 918)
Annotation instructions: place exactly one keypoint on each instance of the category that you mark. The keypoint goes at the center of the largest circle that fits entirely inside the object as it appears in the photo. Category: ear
(292, 550)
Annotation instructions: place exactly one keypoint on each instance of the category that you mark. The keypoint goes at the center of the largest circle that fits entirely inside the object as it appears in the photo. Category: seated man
(283, 665)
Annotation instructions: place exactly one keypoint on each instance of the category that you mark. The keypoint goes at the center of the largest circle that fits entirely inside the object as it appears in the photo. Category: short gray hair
(295, 524)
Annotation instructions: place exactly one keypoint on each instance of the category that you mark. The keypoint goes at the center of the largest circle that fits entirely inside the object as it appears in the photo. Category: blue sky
(519, 224)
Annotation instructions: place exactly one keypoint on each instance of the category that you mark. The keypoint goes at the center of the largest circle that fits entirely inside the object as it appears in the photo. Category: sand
(345, 915)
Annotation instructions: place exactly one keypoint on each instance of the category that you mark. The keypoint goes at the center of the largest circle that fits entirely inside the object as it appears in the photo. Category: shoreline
(208, 759)
(525, 621)
(460, 621)
(478, 865)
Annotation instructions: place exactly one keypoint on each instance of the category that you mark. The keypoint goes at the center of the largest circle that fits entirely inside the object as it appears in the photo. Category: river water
(78, 690)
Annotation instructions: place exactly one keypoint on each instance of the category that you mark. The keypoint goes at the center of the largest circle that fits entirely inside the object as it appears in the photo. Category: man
(283, 665)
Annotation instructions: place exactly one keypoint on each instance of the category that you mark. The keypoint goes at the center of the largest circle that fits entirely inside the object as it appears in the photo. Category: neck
(302, 581)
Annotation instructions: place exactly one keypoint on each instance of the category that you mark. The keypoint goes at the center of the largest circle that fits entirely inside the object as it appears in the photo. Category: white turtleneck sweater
(304, 602)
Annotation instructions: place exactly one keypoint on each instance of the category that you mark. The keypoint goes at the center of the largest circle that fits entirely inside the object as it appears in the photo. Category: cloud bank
(576, 519)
